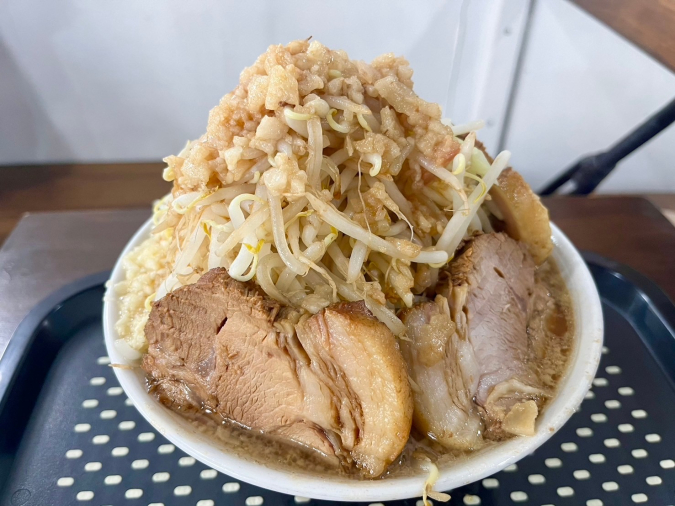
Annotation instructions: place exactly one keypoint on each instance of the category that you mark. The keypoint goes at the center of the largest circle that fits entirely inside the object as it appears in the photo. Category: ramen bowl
(581, 368)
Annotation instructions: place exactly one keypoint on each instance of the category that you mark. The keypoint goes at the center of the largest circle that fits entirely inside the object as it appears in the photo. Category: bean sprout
(324, 190)
(334, 124)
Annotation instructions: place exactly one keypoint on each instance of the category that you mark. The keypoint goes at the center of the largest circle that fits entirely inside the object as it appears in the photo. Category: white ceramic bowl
(583, 364)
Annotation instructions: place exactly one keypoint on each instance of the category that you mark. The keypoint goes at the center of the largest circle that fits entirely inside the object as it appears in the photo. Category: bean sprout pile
(324, 179)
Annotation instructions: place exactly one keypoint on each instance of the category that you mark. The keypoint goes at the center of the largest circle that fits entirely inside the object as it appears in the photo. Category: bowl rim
(584, 360)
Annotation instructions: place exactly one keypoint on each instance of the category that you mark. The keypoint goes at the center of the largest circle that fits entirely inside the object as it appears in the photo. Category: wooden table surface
(649, 24)
(629, 230)
(50, 249)
(42, 188)
(76, 187)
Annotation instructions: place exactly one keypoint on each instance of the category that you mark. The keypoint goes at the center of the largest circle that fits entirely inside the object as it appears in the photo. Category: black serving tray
(69, 435)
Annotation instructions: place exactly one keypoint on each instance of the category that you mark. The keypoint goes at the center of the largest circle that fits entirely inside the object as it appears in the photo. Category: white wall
(581, 88)
(85, 80)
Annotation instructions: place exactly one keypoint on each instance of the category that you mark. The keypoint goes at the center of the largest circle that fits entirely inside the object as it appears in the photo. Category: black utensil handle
(590, 171)
(645, 132)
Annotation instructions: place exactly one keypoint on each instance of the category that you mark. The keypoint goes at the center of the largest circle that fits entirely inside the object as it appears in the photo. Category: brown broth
(551, 326)
(550, 332)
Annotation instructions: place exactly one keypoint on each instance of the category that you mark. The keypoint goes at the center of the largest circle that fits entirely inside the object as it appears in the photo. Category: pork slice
(492, 282)
(444, 373)
(521, 214)
(519, 211)
(356, 357)
(221, 344)
(213, 345)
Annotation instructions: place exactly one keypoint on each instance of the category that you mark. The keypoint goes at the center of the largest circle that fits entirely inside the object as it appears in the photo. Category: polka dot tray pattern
(69, 435)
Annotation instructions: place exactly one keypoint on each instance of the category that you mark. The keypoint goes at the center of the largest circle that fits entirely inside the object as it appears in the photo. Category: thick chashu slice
(468, 353)
(358, 360)
(213, 345)
(339, 386)
(520, 211)
(492, 281)
(444, 372)
(524, 217)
